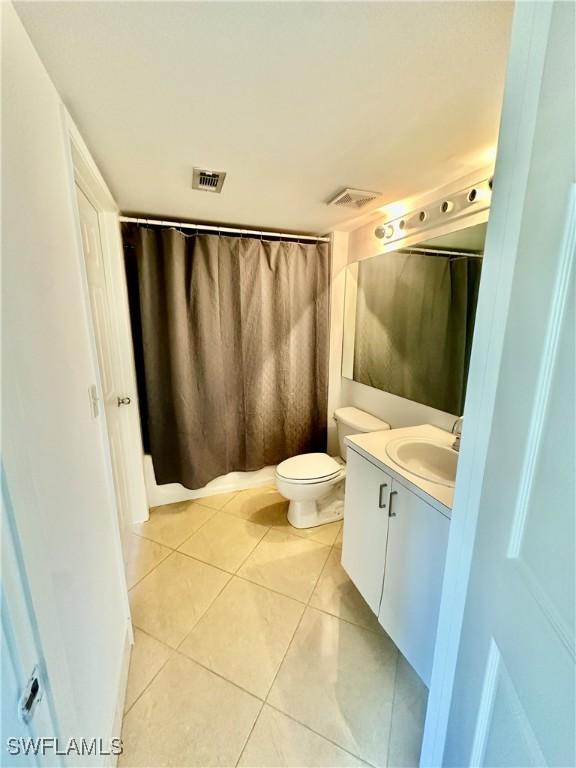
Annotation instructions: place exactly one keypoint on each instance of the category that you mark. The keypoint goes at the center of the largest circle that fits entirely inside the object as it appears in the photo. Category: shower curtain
(414, 325)
(231, 347)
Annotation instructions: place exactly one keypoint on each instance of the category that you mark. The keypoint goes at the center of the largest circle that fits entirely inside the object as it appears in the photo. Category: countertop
(372, 445)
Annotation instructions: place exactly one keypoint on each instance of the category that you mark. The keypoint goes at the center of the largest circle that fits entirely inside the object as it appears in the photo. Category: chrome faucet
(457, 431)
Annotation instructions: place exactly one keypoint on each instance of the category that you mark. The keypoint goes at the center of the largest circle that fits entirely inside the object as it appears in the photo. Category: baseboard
(112, 760)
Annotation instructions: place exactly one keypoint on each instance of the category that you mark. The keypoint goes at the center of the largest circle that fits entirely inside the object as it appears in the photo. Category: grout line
(321, 735)
(306, 605)
(177, 651)
(212, 516)
(218, 674)
(249, 734)
(143, 576)
(203, 562)
(275, 591)
(288, 646)
(392, 707)
(251, 551)
(149, 683)
(205, 611)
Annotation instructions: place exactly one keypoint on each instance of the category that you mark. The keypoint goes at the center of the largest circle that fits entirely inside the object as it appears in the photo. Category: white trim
(77, 156)
(116, 731)
(545, 379)
(84, 172)
(486, 707)
(525, 67)
(496, 677)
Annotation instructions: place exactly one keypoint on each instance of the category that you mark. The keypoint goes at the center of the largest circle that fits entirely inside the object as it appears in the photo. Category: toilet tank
(353, 421)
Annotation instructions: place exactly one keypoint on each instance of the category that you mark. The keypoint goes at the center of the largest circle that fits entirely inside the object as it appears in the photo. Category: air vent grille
(353, 198)
(208, 181)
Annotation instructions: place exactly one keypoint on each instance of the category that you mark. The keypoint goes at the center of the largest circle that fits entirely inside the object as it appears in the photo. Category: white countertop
(372, 445)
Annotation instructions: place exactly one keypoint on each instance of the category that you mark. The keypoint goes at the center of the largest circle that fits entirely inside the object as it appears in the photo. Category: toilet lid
(309, 466)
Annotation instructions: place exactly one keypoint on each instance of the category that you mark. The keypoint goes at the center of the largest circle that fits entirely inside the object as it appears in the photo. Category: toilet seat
(309, 468)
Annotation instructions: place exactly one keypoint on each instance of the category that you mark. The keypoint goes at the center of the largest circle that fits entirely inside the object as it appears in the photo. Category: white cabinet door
(418, 535)
(365, 526)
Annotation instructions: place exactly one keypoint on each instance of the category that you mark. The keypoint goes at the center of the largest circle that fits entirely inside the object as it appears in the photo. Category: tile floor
(253, 648)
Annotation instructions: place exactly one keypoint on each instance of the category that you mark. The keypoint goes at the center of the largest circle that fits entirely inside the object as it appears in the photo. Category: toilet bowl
(314, 482)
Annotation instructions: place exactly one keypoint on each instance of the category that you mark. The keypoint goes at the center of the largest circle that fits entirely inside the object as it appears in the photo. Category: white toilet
(310, 481)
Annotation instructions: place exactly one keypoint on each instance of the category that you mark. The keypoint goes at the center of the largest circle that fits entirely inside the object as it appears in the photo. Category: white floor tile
(170, 600)
(278, 741)
(338, 679)
(148, 657)
(286, 563)
(141, 556)
(336, 594)
(188, 717)
(244, 635)
(224, 541)
(172, 524)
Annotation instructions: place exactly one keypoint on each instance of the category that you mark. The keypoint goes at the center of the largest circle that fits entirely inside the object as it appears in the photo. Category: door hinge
(94, 401)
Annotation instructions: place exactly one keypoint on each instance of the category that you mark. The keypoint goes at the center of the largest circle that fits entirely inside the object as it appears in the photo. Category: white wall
(397, 411)
(54, 454)
(338, 284)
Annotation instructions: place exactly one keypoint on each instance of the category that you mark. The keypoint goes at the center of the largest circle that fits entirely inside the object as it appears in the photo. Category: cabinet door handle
(381, 503)
(390, 513)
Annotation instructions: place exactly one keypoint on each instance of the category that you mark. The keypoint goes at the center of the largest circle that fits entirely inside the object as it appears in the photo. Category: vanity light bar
(478, 195)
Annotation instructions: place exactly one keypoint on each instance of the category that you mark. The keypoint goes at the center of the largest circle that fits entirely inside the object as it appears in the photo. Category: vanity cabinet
(365, 526)
(414, 569)
(394, 548)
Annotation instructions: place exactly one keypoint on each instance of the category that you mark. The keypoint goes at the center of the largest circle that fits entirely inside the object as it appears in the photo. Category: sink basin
(425, 458)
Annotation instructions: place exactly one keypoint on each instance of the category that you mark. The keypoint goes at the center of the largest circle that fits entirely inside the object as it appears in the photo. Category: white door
(27, 705)
(415, 556)
(513, 698)
(113, 399)
(365, 526)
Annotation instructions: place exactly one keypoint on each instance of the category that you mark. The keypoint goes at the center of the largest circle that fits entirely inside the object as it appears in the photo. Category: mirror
(409, 318)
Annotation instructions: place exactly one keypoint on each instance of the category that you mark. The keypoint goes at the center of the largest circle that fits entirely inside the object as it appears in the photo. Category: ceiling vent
(207, 181)
(354, 198)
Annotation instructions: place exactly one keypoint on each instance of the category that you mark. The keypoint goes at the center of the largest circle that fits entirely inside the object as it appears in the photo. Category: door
(113, 399)
(415, 555)
(27, 705)
(513, 697)
(365, 526)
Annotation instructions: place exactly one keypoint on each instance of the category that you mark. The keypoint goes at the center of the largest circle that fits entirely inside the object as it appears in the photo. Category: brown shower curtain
(231, 342)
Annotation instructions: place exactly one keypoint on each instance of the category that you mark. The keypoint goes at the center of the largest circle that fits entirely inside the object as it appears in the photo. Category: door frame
(84, 173)
(523, 79)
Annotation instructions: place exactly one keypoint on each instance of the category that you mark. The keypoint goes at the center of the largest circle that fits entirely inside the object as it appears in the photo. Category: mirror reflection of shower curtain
(231, 343)
(414, 326)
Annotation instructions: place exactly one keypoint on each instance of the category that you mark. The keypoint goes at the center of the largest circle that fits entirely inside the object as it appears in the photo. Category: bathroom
(280, 384)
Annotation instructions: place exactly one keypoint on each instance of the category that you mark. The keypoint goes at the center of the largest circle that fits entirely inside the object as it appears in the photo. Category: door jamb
(84, 172)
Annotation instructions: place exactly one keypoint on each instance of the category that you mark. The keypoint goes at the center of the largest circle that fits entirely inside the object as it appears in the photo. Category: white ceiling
(293, 99)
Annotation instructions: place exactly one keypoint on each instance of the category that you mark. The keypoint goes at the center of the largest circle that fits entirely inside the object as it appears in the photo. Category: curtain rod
(441, 252)
(188, 225)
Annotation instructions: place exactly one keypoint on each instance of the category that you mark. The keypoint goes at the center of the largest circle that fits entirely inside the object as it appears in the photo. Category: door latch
(124, 401)
(31, 697)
